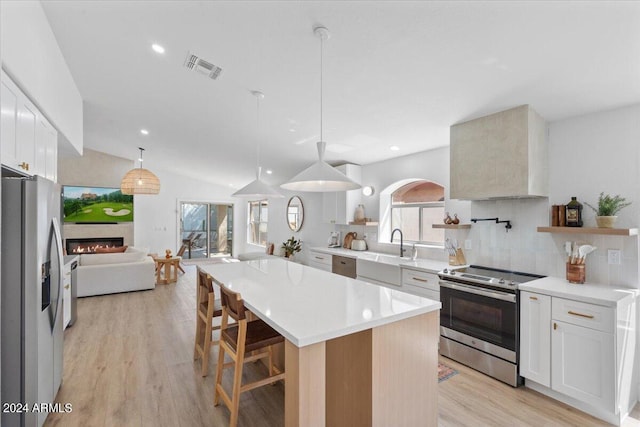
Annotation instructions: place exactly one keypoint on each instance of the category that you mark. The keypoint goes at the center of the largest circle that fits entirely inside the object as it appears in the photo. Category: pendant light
(257, 188)
(140, 180)
(320, 176)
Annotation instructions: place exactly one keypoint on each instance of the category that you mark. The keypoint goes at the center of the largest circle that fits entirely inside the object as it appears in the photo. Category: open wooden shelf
(590, 230)
(451, 226)
(365, 223)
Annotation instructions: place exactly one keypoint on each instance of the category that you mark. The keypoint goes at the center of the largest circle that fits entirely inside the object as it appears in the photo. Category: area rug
(445, 372)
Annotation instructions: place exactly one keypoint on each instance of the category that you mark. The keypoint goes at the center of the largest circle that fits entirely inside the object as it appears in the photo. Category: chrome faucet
(401, 240)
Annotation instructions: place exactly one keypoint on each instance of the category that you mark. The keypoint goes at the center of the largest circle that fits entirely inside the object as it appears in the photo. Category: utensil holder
(458, 259)
(575, 273)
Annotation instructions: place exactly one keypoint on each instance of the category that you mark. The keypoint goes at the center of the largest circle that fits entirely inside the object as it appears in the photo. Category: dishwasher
(344, 266)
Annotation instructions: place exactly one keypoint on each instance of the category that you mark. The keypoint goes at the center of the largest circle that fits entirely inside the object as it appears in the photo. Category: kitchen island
(356, 354)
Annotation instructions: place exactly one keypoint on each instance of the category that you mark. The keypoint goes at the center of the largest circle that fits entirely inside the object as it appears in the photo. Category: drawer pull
(588, 316)
(420, 280)
(534, 298)
(67, 287)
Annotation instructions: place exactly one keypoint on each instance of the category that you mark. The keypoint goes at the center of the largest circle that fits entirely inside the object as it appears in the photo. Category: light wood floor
(128, 361)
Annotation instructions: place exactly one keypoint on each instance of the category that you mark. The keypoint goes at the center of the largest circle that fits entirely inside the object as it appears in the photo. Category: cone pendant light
(257, 188)
(140, 180)
(320, 176)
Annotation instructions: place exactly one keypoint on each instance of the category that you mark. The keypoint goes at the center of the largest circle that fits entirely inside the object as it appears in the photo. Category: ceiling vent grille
(199, 65)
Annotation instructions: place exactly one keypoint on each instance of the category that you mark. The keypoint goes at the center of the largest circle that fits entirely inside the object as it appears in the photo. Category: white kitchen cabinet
(339, 207)
(580, 352)
(500, 155)
(66, 295)
(420, 283)
(583, 364)
(29, 142)
(535, 337)
(320, 260)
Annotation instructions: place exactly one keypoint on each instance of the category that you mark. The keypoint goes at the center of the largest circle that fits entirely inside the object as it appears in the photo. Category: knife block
(458, 259)
(575, 273)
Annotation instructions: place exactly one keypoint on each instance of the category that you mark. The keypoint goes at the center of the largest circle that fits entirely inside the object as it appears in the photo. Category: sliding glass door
(206, 229)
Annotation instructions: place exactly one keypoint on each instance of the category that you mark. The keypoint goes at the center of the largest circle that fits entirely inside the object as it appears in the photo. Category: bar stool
(245, 337)
(207, 307)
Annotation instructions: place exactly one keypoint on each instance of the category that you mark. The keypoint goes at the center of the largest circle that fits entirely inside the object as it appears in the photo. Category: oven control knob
(512, 283)
(453, 272)
(501, 281)
(445, 271)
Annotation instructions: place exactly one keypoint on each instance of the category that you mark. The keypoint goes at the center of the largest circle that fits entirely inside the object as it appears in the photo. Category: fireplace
(89, 245)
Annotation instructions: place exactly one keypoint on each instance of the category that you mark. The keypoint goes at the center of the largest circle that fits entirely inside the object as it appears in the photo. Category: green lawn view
(97, 212)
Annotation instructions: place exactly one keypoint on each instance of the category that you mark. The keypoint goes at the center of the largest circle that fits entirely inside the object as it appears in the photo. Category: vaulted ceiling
(395, 74)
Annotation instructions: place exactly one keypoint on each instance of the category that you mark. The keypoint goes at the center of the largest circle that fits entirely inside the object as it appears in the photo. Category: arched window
(415, 207)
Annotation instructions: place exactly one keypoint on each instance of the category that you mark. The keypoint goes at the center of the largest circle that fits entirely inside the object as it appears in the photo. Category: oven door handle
(483, 292)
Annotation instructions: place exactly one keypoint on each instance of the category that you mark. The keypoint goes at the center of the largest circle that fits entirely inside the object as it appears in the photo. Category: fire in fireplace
(89, 245)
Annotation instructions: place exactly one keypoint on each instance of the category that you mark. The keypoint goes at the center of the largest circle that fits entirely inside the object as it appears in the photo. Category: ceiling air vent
(195, 63)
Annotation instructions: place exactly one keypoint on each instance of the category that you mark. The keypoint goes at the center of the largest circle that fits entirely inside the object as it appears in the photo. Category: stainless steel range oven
(479, 319)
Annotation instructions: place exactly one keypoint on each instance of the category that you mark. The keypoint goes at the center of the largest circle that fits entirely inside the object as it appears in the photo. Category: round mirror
(295, 213)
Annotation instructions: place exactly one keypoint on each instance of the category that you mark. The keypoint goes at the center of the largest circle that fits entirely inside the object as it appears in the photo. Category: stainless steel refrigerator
(31, 304)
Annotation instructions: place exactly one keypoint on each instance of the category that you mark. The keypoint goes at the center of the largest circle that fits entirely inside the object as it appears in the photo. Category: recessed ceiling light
(144, 131)
(269, 171)
(157, 48)
(394, 148)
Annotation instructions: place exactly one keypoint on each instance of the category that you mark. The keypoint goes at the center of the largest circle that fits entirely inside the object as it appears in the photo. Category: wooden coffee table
(170, 267)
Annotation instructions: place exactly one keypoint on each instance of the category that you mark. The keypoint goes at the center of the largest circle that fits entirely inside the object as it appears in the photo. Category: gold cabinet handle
(420, 280)
(574, 313)
(555, 326)
(534, 298)
(24, 165)
(67, 287)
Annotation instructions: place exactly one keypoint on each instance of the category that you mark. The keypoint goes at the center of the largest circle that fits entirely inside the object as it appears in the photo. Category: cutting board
(348, 238)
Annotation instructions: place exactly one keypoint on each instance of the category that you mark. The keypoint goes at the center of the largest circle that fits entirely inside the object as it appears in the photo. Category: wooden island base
(387, 375)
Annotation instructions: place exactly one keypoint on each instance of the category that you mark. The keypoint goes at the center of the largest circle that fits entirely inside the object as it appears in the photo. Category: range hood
(500, 156)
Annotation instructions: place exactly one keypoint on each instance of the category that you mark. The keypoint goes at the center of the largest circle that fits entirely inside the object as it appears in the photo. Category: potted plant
(291, 246)
(607, 209)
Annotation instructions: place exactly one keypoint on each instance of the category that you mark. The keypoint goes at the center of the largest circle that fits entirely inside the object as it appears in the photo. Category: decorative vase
(455, 219)
(359, 214)
(447, 219)
(606, 221)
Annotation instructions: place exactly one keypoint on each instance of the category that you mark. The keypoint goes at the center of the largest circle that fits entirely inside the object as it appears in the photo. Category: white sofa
(100, 274)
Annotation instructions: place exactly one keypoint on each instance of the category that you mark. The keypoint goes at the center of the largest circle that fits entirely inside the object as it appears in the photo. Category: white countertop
(592, 293)
(428, 265)
(307, 305)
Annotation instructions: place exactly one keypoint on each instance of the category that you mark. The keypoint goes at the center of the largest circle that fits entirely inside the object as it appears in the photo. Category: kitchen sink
(380, 268)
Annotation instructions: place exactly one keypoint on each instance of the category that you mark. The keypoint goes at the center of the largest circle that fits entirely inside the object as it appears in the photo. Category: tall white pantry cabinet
(582, 353)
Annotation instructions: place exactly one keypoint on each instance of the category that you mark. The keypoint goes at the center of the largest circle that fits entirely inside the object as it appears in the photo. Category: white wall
(32, 57)
(156, 217)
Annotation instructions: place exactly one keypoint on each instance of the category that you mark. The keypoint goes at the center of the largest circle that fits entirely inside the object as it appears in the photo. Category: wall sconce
(368, 190)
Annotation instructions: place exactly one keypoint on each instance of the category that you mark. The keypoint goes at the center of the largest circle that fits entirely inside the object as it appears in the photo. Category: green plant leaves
(609, 206)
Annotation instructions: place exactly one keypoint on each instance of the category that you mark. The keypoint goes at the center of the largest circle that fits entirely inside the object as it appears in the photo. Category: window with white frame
(414, 208)
(258, 218)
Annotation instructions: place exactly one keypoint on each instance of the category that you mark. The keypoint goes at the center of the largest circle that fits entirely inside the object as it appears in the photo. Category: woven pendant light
(140, 180)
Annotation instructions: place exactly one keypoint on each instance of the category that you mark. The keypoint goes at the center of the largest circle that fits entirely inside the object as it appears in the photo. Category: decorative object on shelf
(368, 191)
(291, 246)
(562, 216)
(573, 213)
(320, 176)
(167, 253)
(295, 213)
(447, 219)
(455, 219)
(358, 215)
(555, 218)
(590, 230)
(607, 209)
(140, 180)
(507, 222)
(257, 188)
